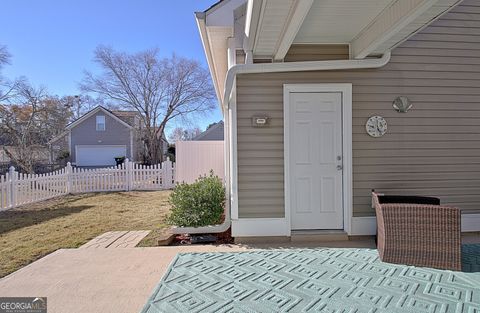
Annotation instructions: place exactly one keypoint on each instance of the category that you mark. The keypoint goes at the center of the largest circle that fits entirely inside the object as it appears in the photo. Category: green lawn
(33, 231)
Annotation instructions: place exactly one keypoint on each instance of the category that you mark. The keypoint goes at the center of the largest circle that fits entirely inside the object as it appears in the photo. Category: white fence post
(13, 177)
(68, 171)
(128, 174)
(167, 178)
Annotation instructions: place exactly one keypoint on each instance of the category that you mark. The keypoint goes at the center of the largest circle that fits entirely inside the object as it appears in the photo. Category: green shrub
(198, 204)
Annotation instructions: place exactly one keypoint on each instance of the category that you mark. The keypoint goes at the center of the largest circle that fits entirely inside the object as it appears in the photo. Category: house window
(100, 123)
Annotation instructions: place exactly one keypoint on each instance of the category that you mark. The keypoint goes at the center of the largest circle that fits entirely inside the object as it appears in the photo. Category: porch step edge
(318, 235)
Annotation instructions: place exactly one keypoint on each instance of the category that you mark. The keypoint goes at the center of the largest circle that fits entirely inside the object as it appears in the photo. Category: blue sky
(52, 41)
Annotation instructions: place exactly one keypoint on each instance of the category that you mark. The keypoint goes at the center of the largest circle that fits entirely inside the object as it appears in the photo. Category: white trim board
(253, 227)
(360, 226)
(366, 226)
(346, 90)
(232, 115)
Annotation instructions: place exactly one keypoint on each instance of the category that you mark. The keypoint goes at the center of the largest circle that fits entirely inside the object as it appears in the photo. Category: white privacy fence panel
(18, 189)
(197, 158)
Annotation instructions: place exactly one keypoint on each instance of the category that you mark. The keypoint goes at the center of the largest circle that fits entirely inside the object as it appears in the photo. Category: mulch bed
(221, 238)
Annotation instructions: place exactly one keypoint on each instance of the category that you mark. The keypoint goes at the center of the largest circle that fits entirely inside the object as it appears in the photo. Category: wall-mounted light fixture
(402, 104)
(260, 121)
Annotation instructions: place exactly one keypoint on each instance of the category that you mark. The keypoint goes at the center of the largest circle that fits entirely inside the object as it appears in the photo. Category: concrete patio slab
(95, 280)
(117, 280)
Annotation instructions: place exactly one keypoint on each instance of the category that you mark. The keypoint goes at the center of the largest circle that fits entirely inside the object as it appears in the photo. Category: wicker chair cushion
(408, 199)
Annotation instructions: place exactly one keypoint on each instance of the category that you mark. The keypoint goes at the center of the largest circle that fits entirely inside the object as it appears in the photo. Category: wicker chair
(418, 234)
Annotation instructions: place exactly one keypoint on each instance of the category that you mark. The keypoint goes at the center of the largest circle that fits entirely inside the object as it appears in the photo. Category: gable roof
(127, 116)
(214, 6)
(92, 112)
(86, 116)
(215, 132)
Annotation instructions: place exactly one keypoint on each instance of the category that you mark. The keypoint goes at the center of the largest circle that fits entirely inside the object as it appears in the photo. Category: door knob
(339, 167)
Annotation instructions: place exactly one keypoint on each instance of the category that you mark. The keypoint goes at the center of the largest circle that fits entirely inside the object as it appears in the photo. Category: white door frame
(346, 90)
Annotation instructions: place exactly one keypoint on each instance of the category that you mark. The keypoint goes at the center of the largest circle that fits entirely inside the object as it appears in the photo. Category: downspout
(277, 68)
(254, 12)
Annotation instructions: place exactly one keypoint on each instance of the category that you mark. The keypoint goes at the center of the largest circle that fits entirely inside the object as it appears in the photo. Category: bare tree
(4, 56)
(21, 124)
(81, 104)
(6, 87)
(53, 116)
(160, 90)
(29, 117)
(184, 134)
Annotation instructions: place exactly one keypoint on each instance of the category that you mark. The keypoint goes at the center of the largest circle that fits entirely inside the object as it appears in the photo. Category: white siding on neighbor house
(434, 149)
(197, 158)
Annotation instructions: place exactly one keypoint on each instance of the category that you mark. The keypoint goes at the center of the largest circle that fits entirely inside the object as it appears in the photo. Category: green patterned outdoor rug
(313, 280)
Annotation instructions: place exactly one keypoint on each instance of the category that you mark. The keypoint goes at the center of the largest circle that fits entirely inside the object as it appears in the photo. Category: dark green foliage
(63, 155)
(198, 204)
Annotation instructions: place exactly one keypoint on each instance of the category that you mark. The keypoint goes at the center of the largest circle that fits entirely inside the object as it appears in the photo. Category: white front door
(315, 156)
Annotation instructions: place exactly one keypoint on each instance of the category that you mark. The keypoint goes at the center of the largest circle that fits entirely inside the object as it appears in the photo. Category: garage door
(98, 155)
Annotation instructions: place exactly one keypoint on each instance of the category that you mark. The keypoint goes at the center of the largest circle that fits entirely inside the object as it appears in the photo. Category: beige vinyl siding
(434, 149)
(313, 52)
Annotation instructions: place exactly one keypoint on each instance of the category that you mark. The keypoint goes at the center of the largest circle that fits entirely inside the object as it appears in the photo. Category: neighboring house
(299, 82)
(99, 136)
(214, 132)
(165, 143)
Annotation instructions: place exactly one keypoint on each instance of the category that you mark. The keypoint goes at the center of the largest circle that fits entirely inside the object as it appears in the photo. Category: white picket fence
(17, 189)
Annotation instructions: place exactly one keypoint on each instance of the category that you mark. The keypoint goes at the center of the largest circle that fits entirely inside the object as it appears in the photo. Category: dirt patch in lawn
(33, 231)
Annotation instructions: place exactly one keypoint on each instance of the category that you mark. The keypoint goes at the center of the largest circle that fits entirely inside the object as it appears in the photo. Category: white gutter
(276, 68)
(231, 52)
(299, 67)
(200, 17)
(254, 12)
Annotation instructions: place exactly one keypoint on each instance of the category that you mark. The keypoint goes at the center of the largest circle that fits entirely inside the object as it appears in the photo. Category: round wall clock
(376, 126)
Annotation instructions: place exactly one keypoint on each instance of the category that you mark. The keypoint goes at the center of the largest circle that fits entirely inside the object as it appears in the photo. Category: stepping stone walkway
(116, 239)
